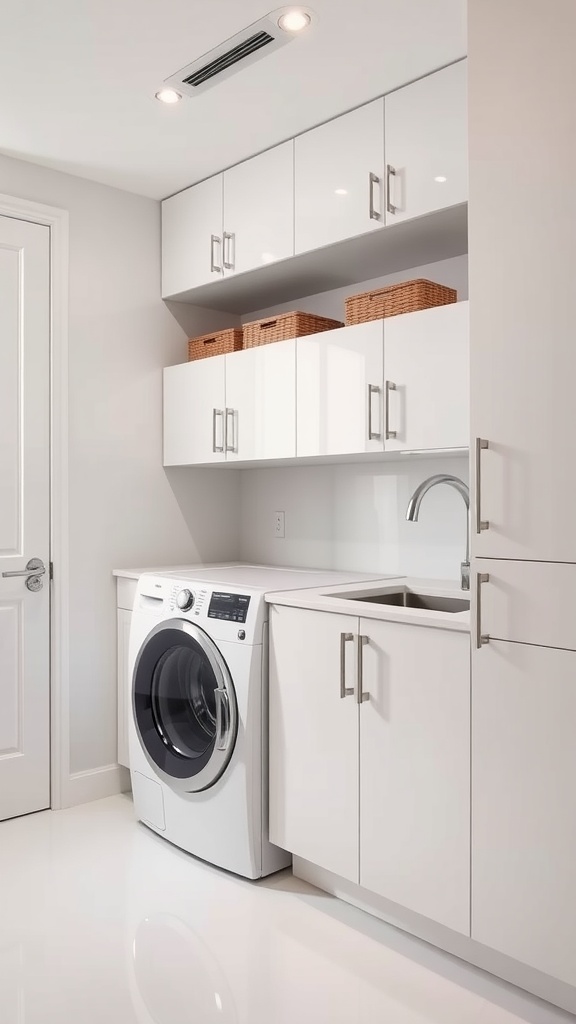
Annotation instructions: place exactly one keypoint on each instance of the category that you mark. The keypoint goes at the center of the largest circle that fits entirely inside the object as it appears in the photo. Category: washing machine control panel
(231, 607)
(185, 600)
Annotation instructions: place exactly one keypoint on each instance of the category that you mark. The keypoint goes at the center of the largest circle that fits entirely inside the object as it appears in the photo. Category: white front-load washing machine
(198, 729)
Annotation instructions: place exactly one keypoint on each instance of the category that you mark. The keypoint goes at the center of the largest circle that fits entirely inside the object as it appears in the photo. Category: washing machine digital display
(233, 607)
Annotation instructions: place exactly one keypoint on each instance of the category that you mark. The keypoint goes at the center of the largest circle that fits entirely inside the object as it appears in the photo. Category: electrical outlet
(279, 524)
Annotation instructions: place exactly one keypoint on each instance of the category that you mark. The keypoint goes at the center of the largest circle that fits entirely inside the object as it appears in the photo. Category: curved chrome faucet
(413, 511)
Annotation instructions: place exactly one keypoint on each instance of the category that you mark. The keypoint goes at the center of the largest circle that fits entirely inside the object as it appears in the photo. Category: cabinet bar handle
(390, 173)
(390, 434)
(229, 250)
(373, 179)
(481, 524)
(214, 267)
(373, 435)
(231, 418)
(345, 691)
(481, 639)
(360, 696)
(215, 414)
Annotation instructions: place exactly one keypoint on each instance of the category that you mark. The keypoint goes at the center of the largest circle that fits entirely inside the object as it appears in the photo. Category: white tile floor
(102, 922)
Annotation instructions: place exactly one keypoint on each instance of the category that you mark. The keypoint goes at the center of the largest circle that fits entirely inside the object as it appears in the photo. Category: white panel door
(194, 412)
(192, 237)
(522, 267)
(261, 402)
(426, 144)
(24, 516)
(259, 210)
(415, 770)
(426, 358)
(339, 391)
(524, 805)
(338, 177)
(313, 739)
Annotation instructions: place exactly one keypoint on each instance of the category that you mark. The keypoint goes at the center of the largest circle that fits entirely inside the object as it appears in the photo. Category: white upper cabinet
(426, 357)
(523, 818)
(426, 145)
(195, 412)
(261, 402)
(415, 769)
(259, 210)
(339, 391)
(192, 237)
(339, 170)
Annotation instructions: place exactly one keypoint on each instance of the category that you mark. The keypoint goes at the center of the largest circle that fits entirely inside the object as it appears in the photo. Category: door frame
(57, 220)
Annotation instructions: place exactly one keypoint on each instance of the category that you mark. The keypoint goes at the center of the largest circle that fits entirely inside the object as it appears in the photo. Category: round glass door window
(184, 705)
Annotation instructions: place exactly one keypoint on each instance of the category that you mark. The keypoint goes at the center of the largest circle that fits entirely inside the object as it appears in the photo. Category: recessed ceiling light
(440, 178)
(341, 191)
(294, 21)
(168, 96)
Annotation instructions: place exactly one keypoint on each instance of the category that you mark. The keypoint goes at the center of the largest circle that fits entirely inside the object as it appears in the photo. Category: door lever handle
(35, 567)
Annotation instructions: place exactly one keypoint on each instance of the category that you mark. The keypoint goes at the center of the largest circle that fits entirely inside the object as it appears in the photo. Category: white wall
(124, 509)
(353, 516)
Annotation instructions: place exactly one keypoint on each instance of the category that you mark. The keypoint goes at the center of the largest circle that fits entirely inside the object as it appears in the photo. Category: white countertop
(135, 574)
(335, 599)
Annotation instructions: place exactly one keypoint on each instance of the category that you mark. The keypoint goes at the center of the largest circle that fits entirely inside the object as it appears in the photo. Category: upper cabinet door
(192, 237)
(259, 210)
(261, 402)
(339, 178)
(194, 412)
(426, 357)
(427, 145)
(339, 391)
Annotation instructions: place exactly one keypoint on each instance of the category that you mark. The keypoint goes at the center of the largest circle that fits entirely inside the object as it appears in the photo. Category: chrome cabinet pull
(360, 696)
(231, 418)
(215, 414)
(214, 267)
(390, 434)
(390, 173)
(481, 639)
(373, 435)
(345, 691)
(373, 179)
(481, 524)
(229, 250)
(222, 719)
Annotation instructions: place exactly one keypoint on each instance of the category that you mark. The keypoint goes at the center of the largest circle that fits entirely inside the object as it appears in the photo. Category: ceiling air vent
(233, 55)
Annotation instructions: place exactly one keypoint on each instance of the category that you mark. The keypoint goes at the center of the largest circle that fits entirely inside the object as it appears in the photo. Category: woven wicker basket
(406, 297)
(287, 325)
(217, 344)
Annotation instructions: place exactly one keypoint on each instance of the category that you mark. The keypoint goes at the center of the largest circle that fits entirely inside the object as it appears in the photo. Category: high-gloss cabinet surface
(523, 805)
(313, 740)
(415, 770)
(335, 195)
(192, 237)
(528, 602)
(426, 144)
(426, 358)
(195, 412)
(259, 210)
(261, 402)
(339, 391)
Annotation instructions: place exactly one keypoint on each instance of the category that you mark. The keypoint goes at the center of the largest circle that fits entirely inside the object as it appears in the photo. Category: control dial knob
(185, 600)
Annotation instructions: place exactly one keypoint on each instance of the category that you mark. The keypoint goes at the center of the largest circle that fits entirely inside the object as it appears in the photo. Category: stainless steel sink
(406, 598)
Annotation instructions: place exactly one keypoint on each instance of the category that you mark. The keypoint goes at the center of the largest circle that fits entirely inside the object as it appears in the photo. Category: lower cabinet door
(124, 619)
(415, 770)
(524, 804)
(314, 738)
(261, 402)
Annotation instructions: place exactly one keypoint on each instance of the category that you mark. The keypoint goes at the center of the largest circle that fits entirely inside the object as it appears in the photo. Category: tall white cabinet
(524, 546)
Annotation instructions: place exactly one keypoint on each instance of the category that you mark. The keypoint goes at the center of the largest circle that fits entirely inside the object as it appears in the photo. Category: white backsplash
(354, 517)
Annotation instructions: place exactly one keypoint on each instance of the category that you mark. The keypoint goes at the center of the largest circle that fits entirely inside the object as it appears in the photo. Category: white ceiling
(78, 79)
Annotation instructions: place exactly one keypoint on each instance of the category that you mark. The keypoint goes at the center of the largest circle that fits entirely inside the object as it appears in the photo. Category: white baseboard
(95, 784)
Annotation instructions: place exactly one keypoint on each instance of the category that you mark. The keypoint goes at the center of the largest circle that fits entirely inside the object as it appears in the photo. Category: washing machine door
(184, 706)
